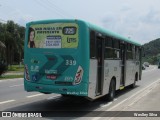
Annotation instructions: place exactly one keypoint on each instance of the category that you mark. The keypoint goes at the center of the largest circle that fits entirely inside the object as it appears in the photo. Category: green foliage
(3, 68)
(11, 77)
(152, 51)
(16, 68)
(12, 36)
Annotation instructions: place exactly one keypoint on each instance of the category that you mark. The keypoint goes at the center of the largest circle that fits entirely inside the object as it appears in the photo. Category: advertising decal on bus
(54, 35)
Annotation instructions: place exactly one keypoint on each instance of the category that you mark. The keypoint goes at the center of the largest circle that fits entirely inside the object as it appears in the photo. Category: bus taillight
(78, 76)
(26, 73)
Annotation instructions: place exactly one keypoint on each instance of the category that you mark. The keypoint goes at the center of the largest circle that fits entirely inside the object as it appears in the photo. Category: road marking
(139, 97)
(106, 105)
(12, 80)
(97, 118)
(16, 85)
(8, 101)
(53, 97)
(34, 95)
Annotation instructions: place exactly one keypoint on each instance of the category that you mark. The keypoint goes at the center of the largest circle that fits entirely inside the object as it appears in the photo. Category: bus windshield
(53, 35)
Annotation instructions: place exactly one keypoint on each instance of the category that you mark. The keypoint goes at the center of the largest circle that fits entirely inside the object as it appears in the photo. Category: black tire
(65, 95)
(45, 93)
(112, 90)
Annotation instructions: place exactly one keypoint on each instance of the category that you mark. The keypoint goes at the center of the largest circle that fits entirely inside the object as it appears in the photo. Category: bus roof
(91, 26)
(112, 34)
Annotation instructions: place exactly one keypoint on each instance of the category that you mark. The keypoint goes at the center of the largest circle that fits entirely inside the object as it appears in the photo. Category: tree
(19, 47)
(152, 49)
(2, 50)
(12, 35)
(3, 66)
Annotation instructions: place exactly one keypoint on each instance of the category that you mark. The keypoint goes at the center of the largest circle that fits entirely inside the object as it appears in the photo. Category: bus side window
(109, 51)
(137, 53)
(109, 42)
(116, 46)
(92, 45)
(134, 52)
(129, 52)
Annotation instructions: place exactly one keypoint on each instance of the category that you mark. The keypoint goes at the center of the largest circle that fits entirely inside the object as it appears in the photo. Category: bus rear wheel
(64, 95)
(112, 90)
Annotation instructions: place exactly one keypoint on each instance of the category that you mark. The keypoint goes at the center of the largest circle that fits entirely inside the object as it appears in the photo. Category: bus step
(121, 87)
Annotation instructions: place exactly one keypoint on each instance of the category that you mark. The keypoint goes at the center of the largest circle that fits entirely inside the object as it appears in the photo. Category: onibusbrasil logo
(21, 114)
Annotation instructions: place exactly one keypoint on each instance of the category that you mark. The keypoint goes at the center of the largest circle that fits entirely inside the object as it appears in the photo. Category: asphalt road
(14, 98)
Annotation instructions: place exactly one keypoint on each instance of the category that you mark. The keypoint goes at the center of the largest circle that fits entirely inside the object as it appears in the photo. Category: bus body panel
(112, 69)
(78, 90)
(132, 67)
(92, 79)
(130, 72)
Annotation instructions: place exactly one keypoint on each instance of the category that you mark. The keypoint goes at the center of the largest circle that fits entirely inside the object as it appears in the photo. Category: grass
(10, 76)
(16, 68)
(12, 70)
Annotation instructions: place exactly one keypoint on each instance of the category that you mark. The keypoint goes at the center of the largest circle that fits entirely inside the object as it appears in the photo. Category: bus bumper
(75, 90)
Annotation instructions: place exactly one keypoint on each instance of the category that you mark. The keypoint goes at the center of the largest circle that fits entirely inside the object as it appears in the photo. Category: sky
(136, 19)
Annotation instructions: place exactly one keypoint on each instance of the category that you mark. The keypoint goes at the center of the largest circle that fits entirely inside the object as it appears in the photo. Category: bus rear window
(53, 35)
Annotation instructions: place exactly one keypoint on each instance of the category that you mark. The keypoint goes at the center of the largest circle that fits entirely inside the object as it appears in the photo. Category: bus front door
(100, 65)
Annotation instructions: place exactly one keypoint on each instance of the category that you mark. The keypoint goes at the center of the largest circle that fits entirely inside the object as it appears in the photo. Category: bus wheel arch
(112, 89)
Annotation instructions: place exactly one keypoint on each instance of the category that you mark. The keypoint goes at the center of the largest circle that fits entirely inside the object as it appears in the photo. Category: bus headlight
(78, 76)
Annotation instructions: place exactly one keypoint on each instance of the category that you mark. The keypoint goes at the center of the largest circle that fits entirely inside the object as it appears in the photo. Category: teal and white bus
(76, 58)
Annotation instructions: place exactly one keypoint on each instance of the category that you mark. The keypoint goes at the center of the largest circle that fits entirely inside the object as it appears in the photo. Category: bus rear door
(100, 64)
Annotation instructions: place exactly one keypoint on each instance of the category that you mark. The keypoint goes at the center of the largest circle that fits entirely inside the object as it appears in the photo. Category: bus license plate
(52, 77)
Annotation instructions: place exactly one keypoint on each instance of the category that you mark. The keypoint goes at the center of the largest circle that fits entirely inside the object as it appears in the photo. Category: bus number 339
(70, 62)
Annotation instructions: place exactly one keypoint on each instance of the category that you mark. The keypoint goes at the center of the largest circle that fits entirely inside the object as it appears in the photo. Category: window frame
(112, 48)
(93, 50)
(129, 51)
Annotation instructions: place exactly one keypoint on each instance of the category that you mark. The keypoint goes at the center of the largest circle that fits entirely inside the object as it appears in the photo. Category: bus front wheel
(112, 90)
